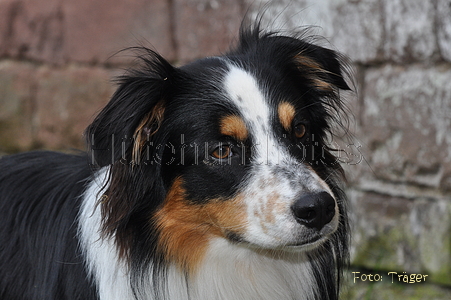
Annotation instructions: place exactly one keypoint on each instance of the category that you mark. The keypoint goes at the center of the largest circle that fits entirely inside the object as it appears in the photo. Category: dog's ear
(118, 138)
(133, 115)
(322, 67)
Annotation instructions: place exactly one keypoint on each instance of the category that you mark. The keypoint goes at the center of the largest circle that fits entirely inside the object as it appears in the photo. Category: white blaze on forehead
(244, 91)
(242, 88)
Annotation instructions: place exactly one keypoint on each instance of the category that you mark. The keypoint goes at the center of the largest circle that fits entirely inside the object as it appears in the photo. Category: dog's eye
(222, 152)
(300, 130)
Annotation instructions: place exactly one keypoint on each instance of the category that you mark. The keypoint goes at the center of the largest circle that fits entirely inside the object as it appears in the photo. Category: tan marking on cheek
(234, 126)
(286, 115)
(226, 215)
(186, 228)
(183, 239)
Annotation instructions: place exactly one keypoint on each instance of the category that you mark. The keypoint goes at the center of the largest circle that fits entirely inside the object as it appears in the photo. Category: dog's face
(237, 145)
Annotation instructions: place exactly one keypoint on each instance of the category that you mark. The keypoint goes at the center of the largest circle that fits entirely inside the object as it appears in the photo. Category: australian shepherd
(214, 180)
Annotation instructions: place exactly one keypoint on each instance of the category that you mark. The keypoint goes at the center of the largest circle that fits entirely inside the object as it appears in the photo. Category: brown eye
(299, 130)
(222, 152)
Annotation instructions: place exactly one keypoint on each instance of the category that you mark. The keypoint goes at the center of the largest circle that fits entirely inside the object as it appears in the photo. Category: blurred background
(57, 58)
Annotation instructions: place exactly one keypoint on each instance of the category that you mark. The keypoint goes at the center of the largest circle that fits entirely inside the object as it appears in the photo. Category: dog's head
(230, 147)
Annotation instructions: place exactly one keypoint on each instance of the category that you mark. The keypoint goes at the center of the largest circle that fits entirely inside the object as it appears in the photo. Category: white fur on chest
(102, 260)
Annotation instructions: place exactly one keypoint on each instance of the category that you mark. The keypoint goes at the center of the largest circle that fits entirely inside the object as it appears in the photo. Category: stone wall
(57, 58)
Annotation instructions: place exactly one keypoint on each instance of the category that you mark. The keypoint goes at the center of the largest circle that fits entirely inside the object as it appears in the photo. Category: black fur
(39, 253)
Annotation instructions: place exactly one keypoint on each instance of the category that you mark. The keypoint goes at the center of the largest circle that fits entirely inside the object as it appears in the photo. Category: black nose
(314, 210)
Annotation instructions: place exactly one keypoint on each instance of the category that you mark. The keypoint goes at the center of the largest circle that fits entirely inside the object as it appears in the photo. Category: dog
(213, 180)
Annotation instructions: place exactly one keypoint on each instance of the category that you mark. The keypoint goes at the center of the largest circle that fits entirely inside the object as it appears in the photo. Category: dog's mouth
(313, 238)
(308, 243)
(310, 240)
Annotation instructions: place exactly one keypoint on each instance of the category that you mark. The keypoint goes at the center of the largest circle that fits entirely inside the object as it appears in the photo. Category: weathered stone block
(16, 106)
(44, 107)
(32, 29)
(5, 27)
(409, 29)
(357, 29)
(85, 31)
(405, 125)
(95, 30)
(398, 234)
(354, 28)
(66, 102)
(385, 289)
(444, 28)
(205, 27)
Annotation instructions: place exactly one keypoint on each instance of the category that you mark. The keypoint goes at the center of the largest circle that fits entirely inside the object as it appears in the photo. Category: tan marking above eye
(234, 126)
(286, 113)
